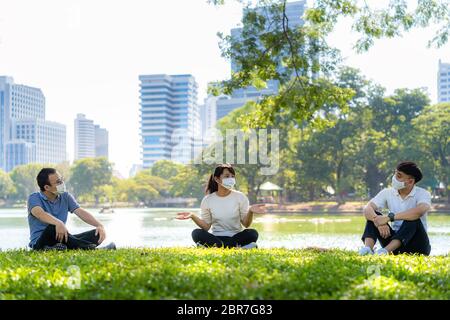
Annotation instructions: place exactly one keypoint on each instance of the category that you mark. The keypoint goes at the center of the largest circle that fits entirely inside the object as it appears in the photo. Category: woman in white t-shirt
(226, 211)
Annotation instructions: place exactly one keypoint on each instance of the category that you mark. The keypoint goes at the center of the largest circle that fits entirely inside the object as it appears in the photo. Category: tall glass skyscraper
(443, 82)
(25, 136)
(169, 118)
(17, 102)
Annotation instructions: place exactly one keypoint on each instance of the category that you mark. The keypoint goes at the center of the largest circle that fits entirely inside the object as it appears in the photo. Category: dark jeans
(412, 235)
(239, 239)
(85, 240)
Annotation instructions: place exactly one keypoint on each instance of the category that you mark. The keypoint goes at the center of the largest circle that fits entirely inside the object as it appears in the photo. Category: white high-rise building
(25, 135)
(48, 137)
(443, 82)
(208, 116)
(84, 137)
(101, 142)
(90, 139)
(170, 119)
(19, 152)
(135, 168)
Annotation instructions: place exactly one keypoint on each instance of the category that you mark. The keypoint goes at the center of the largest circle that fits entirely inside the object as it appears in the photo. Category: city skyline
(88, 67)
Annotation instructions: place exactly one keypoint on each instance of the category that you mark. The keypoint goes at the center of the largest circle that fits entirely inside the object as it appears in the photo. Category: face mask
(61, 188)
(397, 185)
(228, 182)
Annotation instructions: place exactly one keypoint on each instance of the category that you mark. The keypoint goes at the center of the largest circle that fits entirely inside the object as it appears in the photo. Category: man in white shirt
(408, 205)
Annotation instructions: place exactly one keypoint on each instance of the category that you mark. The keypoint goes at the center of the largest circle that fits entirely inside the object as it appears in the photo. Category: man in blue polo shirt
(47, 217)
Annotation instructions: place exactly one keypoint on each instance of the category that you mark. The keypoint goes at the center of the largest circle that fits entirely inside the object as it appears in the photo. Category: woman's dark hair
(42, 177)
(411, 169)
(212, 185)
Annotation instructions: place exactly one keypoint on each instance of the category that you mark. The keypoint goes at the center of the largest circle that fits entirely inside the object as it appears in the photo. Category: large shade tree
(300, 58)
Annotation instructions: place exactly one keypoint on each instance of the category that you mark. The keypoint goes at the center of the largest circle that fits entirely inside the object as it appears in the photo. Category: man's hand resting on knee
(62, 234)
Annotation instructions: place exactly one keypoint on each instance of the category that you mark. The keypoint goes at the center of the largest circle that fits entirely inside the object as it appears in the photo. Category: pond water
(156, 227)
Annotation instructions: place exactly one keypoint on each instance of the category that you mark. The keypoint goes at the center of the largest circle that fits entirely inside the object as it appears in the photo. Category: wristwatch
(391, 216)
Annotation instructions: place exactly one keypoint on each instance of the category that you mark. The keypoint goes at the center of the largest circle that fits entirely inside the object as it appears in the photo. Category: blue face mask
(228, 182)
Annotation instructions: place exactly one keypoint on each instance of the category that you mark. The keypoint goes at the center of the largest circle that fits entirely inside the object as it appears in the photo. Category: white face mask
(228, 182)
(61, 188)
(397, 185)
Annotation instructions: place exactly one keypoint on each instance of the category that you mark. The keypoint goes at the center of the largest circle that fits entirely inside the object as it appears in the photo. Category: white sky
(86, 57)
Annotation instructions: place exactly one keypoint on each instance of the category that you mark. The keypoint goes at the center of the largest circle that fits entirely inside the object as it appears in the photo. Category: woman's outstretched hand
(258, 208)
(184, 215)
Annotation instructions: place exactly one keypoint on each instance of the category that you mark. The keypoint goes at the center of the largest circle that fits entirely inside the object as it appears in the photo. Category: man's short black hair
(42, 177)
(411, 169)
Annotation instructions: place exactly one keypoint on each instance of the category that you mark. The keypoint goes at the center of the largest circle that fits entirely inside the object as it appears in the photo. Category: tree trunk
(252, 195)
(444, 164)
(373, 178)
(311, 191)
(339, 192)
(339, 198)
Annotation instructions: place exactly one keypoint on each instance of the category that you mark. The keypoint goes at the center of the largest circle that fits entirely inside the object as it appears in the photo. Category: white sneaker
(381, 252)
(199, 245)
(365, 251)
(111, 246)
(251, 245)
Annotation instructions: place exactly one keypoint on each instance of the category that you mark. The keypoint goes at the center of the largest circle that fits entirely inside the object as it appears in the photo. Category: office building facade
(25, 135)
(443, 82)
(169, 118)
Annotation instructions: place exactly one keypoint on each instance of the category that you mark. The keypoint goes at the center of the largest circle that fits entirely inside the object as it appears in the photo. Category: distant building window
(153, 118)
(156, 149)
(181, 102)
(155, 87)
(151, 140)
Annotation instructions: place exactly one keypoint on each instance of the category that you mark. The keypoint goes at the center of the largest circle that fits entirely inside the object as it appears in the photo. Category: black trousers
(239, 239)
(85, 240)
(412, 235)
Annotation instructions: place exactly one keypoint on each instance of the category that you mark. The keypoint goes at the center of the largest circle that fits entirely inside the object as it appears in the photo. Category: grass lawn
(184, 273)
